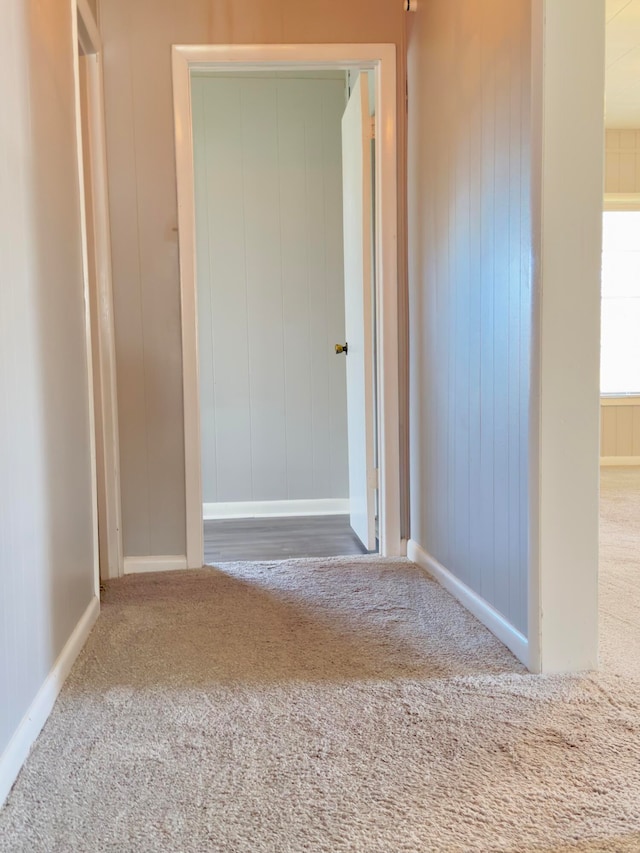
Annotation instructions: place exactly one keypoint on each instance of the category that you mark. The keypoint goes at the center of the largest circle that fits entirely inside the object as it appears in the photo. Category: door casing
(381, 60)
(102, 375)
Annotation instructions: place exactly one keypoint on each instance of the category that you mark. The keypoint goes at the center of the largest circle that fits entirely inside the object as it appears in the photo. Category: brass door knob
(342, 349)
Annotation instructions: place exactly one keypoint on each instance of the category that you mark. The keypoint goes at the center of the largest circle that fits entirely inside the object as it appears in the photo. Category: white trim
(275, 509)
(622, 201)
(109, 459)
(626, 400)
(17, 751)
(623, 461)
(481, 609)
(142, 565)
(189, 311)
(106, 431)
(381, 58)
(567, 102)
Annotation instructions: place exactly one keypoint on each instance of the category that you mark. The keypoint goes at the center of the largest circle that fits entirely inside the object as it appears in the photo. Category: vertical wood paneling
(504, 287)
(229, 329)
(609, 432)
(270, 284)
(203, 263)
(486, 284)
(622, 164)
(624, 429)
(292, 135)
(470, 290)
(477, 532)
(318, 344)
(159, 299)
(635, 447)
(264, 286)
(128, 308)
(620, 430)
(516, 380)
(332, 110)
(524, 336)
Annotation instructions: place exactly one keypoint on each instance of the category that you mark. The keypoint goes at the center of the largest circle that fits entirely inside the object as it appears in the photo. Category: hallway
(335, 705)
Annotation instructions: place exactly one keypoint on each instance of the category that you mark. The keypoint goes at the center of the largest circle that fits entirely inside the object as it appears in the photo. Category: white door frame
(102, 377)
(381, 59)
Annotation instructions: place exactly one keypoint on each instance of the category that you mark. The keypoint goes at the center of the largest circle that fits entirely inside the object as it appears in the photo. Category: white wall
(568, 104)
(470, 293)
(46, 507)
(270, 287)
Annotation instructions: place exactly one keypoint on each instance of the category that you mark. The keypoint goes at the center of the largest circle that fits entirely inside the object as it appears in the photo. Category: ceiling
(623, 64)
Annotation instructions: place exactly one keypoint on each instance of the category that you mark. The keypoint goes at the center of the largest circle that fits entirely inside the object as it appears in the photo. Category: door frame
(103, 399)
(381, 60)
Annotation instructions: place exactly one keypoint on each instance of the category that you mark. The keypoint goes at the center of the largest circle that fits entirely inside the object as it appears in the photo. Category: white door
(358, 290)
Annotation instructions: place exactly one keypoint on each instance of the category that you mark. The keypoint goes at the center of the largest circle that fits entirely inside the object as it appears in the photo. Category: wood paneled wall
(622, 165)
(46, 502)
(142, 184)
(270, 265)
(620, 431)
(470, 293)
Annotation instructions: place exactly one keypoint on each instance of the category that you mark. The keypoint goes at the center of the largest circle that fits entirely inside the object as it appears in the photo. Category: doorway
(620, 412)
(288, 468)
(283, 65)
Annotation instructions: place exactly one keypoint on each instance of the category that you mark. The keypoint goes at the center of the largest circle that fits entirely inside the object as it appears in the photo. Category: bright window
(620, 353)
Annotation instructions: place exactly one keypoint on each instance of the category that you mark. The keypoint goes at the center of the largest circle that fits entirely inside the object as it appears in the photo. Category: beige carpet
(339, 705)
(620, 570)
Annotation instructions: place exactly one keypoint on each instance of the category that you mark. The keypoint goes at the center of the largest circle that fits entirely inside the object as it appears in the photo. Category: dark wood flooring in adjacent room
(279, 538)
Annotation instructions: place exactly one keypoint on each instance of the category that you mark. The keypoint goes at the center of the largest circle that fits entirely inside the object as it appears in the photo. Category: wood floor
(279, 538)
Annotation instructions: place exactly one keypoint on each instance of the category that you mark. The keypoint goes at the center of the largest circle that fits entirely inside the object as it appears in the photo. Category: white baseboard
(275, 509)
(611, 461)
(481, 609)
(17, 751)
(141, 565)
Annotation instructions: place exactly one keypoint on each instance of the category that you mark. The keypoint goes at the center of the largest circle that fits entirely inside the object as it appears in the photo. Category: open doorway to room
(287, 230)
(620, 418)
(286, 395)
(619, 583)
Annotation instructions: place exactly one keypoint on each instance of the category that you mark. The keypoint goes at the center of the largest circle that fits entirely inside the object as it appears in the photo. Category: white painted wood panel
(270, 287)
(622, 165)
(470, 292)
(620, 430)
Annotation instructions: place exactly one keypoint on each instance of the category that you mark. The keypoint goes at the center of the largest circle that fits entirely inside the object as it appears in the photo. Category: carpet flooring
(333, 705)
